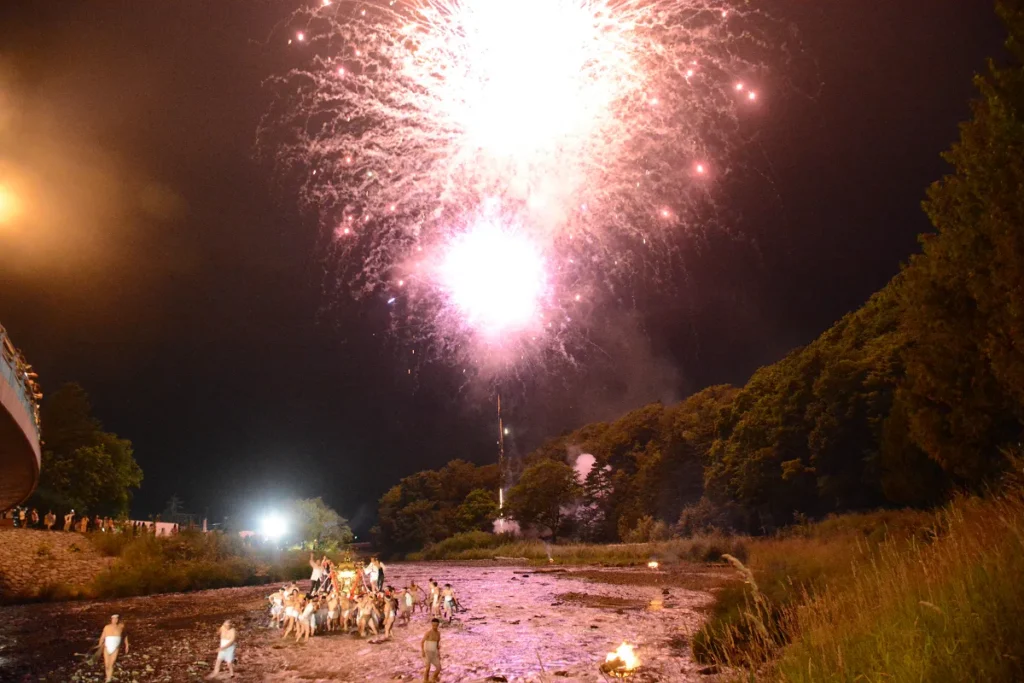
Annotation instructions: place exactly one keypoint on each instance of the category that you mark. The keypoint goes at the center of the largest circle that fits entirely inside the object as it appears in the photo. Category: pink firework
(579, 118)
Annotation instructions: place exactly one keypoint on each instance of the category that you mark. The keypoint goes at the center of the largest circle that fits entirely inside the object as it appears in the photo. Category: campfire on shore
(653, 564)
(622, 662)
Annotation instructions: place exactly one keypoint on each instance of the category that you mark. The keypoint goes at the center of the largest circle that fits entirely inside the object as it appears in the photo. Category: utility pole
(501, 461)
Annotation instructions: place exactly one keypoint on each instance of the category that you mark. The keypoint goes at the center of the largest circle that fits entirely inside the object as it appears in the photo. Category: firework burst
(492, 164)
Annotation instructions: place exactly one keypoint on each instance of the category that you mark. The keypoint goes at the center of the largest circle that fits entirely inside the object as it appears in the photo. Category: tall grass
(194, 561)
(952, 610)
(752, 616)
(931, 597)
(484, 546)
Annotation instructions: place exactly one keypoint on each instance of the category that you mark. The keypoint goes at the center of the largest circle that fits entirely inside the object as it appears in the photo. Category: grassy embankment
(887, 596)
(480, 545)
(186, 562)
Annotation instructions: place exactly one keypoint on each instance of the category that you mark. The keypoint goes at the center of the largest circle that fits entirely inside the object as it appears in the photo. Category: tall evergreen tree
(963, 300)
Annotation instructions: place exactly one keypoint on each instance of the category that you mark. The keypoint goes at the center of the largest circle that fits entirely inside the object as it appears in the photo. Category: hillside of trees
(913, 397)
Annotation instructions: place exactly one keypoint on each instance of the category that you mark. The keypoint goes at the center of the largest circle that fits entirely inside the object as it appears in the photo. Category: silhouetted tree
(83, 467)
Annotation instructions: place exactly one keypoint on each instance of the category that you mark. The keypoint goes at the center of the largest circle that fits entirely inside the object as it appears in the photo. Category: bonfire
(622, 662)
(653, 564)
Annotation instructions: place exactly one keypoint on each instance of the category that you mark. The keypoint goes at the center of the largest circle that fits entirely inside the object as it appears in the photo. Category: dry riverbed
(519, 624)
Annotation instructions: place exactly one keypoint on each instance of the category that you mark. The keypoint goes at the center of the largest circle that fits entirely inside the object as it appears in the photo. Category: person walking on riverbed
(226, 651)
(430, 648)
(375, 570)
(110, 643)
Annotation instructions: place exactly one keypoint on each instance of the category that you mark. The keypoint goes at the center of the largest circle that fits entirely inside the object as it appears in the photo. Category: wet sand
(520, 623)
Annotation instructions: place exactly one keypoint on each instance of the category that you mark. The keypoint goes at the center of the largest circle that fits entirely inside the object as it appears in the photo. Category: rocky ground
(519, 624)
(30, 559)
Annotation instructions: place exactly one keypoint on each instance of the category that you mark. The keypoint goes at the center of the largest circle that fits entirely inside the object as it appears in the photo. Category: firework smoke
(494, 166)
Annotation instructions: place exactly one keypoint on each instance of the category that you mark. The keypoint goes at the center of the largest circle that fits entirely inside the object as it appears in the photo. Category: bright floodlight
(273, 526)
(495, 277)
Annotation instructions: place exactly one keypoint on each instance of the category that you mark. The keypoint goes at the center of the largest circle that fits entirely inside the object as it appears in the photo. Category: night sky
(172, 274)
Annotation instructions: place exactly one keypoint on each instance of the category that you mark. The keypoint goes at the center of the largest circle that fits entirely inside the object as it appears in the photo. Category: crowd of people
(349, 601)
(29, 518)
(361, 602)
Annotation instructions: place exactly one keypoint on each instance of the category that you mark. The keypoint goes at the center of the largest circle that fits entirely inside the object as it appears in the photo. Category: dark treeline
(914, 396)
(83, 467)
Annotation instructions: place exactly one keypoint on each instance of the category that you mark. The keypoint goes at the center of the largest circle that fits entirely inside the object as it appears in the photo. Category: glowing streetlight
(9, 205)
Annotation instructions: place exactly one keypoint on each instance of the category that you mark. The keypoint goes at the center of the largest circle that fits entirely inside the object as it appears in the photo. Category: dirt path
(519, 623)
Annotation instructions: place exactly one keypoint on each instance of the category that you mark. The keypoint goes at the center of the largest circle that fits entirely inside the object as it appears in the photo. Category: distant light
(300, 36)
(8, 205)
(327, 3)
(752, 95)
(701, 169)
(273, 526)
(506, 431)
(739, 86)
(341, 72)
(391, 300)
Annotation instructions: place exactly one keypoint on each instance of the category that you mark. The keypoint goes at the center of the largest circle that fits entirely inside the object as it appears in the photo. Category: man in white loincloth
(367, 615)
(226, 651)
(430, 648)
(390, 610)
(448, 602)
(110, 643)
(435, 599)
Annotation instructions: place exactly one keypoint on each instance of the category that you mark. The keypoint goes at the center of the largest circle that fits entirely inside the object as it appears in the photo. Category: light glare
(495, 277)
(273, 527)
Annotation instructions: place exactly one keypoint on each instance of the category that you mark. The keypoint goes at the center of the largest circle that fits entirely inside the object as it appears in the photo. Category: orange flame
(624, 653)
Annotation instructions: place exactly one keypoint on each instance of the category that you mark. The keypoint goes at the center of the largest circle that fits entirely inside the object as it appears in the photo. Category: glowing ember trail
(592, 123)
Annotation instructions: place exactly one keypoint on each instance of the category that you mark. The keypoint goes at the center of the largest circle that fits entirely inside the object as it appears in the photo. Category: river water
(518, 624)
